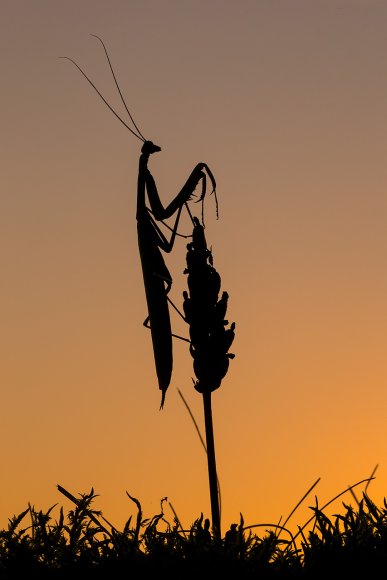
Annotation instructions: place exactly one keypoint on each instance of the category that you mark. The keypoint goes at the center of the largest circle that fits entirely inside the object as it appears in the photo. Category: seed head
(205, 313)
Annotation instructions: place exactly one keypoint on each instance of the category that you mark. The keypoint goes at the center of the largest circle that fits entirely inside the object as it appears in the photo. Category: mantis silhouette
(157, 278)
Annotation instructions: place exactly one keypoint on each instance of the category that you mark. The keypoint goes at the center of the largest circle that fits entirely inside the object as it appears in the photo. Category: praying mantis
(151, 239)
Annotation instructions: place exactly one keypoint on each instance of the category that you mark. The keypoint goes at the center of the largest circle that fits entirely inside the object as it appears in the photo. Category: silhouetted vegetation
(210, 340)
(83, 544)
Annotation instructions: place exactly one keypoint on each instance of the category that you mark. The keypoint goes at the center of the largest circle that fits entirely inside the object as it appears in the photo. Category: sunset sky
(286, 100)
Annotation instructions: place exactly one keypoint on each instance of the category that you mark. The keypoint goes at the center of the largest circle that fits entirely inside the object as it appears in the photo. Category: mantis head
(149, 147)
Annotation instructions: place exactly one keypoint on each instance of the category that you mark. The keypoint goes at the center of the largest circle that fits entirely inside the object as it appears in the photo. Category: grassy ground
(82, 544)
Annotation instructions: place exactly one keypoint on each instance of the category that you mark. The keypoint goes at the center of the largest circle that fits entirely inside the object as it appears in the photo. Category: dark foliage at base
(84, 545)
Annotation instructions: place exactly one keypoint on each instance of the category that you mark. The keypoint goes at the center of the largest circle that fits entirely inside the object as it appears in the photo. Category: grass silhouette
(83, 544)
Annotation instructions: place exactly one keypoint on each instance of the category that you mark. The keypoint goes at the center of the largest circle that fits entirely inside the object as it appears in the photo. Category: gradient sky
(286, 101)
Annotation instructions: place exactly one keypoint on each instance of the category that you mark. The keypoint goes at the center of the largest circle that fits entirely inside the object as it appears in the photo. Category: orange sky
(286, 101)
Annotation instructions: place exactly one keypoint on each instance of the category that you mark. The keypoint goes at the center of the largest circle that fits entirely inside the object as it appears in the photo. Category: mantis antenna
(117, 85)
(139, 135)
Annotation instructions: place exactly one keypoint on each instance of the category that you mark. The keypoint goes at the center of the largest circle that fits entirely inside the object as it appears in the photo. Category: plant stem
(212, 476)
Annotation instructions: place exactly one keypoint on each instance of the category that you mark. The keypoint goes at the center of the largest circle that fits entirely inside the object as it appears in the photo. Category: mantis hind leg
(147, 324)
(168, 282)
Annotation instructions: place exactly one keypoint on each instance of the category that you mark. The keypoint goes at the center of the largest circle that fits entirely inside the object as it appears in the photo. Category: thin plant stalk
(204, 447)
(211, 462)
